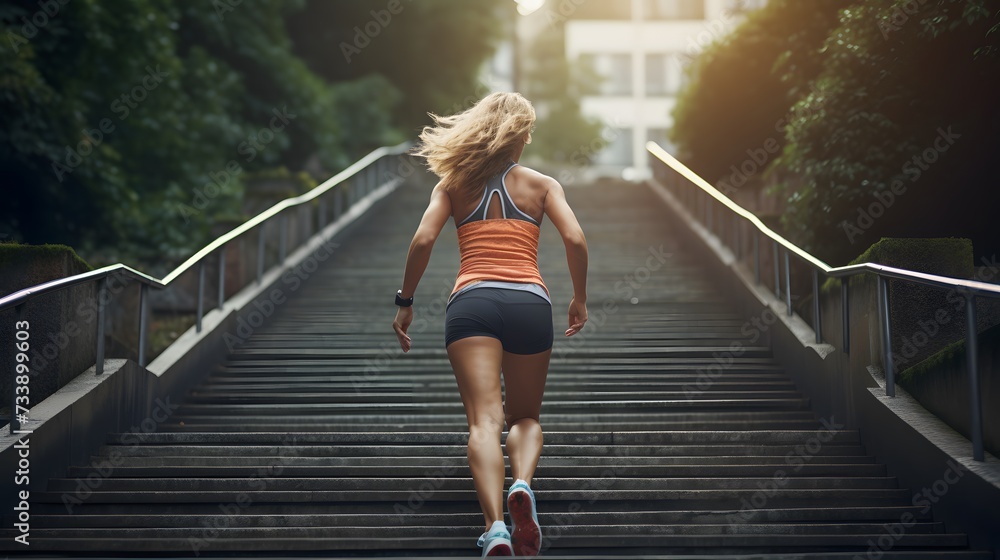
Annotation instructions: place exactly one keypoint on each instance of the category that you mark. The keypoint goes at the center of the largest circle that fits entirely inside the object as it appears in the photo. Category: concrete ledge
(935, 462)
(66, 427)
(916, 447)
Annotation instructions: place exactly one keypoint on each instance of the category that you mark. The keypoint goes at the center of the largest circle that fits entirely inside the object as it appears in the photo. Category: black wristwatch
(400, 301)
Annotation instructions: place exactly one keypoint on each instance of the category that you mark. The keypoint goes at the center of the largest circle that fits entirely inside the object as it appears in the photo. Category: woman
(499, 316)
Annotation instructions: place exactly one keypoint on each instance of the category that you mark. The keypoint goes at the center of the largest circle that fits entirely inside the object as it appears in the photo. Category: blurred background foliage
(186, 89)
(556, 86)
(852, 91)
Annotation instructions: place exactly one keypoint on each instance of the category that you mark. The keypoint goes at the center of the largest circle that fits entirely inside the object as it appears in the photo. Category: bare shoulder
(440, 193)
(535, 180)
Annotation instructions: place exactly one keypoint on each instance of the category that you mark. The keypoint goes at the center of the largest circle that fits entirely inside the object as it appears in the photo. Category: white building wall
(680, 40)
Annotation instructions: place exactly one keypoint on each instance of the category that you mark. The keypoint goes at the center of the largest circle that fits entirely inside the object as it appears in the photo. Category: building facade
(640, 48)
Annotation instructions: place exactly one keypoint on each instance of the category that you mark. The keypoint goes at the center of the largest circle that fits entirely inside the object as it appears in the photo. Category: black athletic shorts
(521, 320)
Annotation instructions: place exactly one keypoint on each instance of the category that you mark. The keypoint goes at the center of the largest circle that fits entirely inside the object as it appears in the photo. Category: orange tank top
(498, 249)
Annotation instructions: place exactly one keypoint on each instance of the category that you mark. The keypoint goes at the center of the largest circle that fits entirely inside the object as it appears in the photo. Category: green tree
(861, 95)
(741, 88)
(430, 49)
(110, 131)
(122, 119)
(897, 138)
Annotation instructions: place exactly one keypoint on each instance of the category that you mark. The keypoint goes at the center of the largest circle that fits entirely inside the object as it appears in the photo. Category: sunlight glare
(528, 7)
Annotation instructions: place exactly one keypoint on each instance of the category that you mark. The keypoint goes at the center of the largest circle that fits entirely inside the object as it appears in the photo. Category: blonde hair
(468, 148)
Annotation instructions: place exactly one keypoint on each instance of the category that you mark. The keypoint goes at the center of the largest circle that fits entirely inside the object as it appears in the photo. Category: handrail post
(338, 203)
(777, 271)
(971, 349)
(322, 213)
(201, 296)
(222, 276)
(788, 284)
(756, 258)
(102, 286)
(307, 224)
(845, 311)
(817, 324)
(260, 252)
(708, 213)
(736, 237)
(890, 374)
(282, 238)
(143, 320)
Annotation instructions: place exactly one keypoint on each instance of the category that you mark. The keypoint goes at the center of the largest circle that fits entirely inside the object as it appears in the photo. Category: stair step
(445, 483)
(649, 352)
(229, 424)
(782, 496)
(567, 528)
(728, 418)
(585, 541)
(386, 450)
(188, 470)
(547, 407)
(877, 515)
(769, 437)
(844, 461)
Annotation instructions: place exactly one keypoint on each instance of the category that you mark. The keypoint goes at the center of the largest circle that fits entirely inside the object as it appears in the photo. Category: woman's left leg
(476, 363)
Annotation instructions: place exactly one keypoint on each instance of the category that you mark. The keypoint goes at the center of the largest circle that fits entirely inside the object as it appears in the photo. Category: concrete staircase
(669, 428)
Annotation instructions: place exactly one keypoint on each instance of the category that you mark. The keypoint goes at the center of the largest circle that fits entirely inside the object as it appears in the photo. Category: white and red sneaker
(496, 541)
(526, 533)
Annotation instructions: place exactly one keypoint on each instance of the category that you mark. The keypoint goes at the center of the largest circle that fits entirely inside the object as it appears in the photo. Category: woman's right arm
(557, 209)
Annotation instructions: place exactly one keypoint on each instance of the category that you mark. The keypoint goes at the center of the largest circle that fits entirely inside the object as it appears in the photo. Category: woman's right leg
(524, 380)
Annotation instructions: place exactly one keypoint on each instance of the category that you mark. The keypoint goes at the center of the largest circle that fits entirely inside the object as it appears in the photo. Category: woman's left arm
(437, 213)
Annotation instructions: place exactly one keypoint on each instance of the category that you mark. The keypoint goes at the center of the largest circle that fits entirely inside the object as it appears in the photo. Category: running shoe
(496, 541)
(526, 533)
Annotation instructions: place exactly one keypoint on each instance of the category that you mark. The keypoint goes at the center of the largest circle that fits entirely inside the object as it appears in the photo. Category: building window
(674, 9)
(619, 149)
(615, 71)
(662, 74)
(656, 74)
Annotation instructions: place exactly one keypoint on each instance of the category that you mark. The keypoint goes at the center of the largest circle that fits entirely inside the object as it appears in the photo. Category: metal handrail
(285, 204)
(17, 300)
(22, 296)
(968, 288)
(972, 286)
